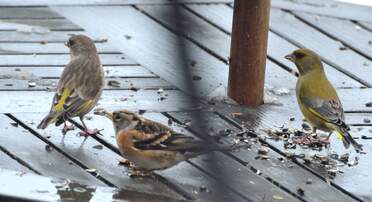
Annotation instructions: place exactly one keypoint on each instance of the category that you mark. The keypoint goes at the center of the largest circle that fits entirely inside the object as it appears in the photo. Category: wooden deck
(138, 42)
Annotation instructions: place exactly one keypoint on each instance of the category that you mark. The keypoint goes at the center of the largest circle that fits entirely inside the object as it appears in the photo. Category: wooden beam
(248, 51)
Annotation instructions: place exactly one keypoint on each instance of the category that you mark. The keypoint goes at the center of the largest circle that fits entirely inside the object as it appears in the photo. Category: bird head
(81, 44)
(122, 119)
(305, 60)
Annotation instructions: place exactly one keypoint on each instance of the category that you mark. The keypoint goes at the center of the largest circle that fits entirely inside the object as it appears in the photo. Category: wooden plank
(56, 71)
(183, 175)
(50, 37)
(57, 60)
(151, 100)
(120, 84)
(6, 162)
(28, 13)
(103, 2)
(347, 61)
(144, 47)
(34, 25)
(26, 146)
(287, 174)
(103, 160)
(48, 48)
(221, 17)
(327, 8)
(346, 31)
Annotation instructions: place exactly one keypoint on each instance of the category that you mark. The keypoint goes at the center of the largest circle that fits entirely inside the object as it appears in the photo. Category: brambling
(153, 146)
(79, 87)
(317, 97)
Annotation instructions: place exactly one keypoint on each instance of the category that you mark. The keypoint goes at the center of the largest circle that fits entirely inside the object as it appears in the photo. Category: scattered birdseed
(306, 126)
(91, 170)
(309, 181)
(369, 104)
(160, 90)
(170, 122)
(300, 191)
(236, 114)
(128, 37)
(31, 84)
(48, 148)
(203, 188)
(98, 146)
(193, 63)
(263, 150)
(292, 119)
(15, 124)
(196, 78)
(141, 111)
(277, 197)
(113, 83)
(365, 120)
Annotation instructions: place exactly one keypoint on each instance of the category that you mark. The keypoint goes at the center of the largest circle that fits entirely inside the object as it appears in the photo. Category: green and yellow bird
(79, 87)
(317, 97)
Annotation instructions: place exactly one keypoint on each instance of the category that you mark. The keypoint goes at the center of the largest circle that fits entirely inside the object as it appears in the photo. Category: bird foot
(303, 140)
(87, 132)
(133, 173)
(67, 128)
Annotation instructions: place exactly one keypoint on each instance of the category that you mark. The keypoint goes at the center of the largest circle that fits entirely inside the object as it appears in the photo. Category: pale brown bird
(79, 87)
(153, 146)
(317, 97)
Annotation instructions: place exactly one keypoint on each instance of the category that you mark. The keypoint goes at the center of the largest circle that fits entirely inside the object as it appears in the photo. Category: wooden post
(248, 51)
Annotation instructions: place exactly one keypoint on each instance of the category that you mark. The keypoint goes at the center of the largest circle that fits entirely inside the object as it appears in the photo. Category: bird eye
(70, 43)
(299, 55)
(116, 116)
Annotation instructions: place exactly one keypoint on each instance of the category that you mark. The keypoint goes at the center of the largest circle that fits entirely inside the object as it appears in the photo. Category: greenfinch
(79, 87)
(317, 98)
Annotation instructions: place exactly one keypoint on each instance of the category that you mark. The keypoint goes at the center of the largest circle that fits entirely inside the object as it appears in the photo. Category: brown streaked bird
(318, 99)
(153, 146)
(79, 87)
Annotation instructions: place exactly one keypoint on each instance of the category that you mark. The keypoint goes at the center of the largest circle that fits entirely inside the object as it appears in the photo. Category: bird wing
(329, 110)
(72, 97)
(170, 142)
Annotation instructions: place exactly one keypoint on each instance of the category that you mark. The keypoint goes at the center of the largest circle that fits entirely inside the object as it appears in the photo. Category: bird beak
(66, 44)
(290, 57)
(103, 112)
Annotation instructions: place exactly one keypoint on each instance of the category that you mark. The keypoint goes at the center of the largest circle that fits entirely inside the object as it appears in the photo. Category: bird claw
(67, 128)
(87, 132)
(139, 173)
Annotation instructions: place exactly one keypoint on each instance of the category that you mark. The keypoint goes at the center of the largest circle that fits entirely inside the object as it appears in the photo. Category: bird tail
(210, 148)
(49, 119)
(347, 139)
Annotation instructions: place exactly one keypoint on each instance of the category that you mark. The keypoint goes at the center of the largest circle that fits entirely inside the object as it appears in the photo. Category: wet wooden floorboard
(32, 50)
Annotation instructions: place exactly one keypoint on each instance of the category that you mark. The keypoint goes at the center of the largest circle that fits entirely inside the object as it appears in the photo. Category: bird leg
(87, 132)
(67, 128)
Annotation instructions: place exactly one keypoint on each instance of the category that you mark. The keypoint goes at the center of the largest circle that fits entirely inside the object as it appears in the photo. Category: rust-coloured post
(248, 51)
